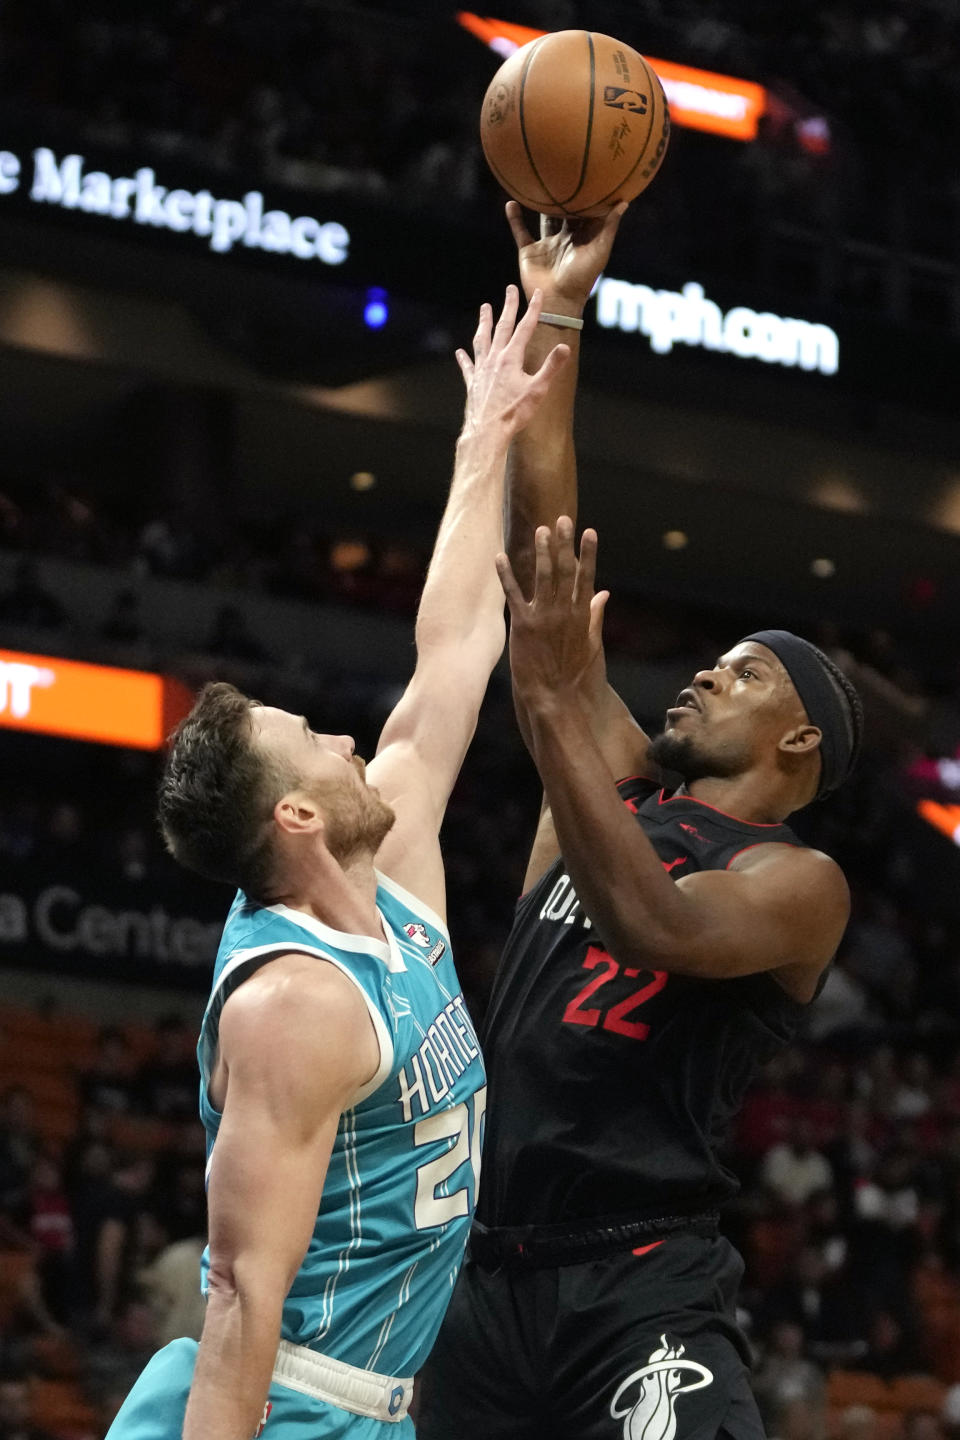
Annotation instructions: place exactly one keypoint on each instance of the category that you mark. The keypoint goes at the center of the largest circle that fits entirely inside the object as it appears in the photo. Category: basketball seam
(586, 144)
(512, 188)
(643, 153)
(523, 129)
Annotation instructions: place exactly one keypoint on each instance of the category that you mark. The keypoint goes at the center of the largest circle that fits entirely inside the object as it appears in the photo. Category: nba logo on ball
(621, 99)
(667, 1375)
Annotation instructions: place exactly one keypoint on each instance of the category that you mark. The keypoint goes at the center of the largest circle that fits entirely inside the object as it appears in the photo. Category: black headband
(823, 700)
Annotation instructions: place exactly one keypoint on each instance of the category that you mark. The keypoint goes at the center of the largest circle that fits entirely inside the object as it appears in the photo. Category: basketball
(573, 123)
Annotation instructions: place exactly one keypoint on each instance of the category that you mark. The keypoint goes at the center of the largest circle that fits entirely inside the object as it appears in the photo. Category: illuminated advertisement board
(698, 99)
(66, 181)
(133, 708)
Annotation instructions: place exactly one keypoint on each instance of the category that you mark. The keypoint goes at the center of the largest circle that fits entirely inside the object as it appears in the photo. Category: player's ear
(297, 813)
(800, 740)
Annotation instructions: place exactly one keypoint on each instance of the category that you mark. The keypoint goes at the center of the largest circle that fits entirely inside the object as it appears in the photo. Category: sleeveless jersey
(402, 1180)
(611, 1086)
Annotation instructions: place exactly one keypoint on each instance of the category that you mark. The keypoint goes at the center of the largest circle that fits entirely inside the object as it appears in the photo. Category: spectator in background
(168, 1081)
(63, 841)
(51, 1229)
(181, 1202)
(922, 1425)
(231, 637)
(794, 1170)
(171, 1287)
(28, 603)
(852, 1154)
(127, 1194)
(15, 1422)
(20, 1146)
(109, 1085)
(799, 1420)
(20, 828)
(891, 1349)
(123, 621)
(858, 1422)
(879, 955)
(116, 1361)
(785, 1375)
(885, 1239)
(133, 855)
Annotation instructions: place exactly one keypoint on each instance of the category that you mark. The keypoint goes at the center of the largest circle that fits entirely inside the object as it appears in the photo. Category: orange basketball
(573, 123)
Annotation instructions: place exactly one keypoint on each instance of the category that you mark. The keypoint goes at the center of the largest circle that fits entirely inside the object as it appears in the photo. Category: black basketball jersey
(611, 1087)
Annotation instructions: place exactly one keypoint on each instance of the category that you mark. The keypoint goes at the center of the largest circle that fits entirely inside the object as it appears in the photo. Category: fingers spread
(481, 340)
(554, 362)
(587, 568)
(543, 587)
(508, 315)
(598, 606)
(566, 558)
(529, 322)
(508, 582)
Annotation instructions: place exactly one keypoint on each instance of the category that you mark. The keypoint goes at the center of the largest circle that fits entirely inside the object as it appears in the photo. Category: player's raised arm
(296, 1044)
(460, 626)
(565, 264)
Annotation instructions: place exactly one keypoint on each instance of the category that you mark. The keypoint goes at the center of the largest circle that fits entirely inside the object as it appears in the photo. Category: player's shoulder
(292, 997)
(808, 871)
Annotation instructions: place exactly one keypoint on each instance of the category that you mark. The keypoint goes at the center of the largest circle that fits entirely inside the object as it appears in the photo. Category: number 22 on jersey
(616, 1018)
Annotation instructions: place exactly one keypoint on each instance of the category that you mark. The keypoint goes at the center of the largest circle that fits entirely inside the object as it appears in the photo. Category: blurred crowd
(381, 101)
(849, 1148)
(102, 1213)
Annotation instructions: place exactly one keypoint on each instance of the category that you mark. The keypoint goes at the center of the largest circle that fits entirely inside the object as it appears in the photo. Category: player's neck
(342, 896)
(749, 797)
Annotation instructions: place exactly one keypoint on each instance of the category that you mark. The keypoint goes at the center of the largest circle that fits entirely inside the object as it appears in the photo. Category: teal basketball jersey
(402, 1181)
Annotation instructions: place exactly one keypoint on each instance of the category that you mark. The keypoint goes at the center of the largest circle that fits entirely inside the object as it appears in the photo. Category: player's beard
(692, 761)
(356, 820)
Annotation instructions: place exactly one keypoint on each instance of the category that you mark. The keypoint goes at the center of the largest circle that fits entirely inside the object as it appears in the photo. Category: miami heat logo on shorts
(650, 1414)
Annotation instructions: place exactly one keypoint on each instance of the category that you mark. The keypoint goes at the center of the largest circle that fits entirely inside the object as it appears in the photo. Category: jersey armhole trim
(384, 1039)
(758, 845)
(412, 902)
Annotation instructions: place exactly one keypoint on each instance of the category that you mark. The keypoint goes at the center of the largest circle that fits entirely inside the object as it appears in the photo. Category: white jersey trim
(384, 1038)
(419, 907)
(385, 950)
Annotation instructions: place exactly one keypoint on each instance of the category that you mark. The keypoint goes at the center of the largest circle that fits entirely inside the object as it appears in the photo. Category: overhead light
(675, 540)
(823, 568)
(362, 480)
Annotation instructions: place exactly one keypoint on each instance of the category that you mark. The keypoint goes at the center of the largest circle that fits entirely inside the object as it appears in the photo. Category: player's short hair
(218, 791)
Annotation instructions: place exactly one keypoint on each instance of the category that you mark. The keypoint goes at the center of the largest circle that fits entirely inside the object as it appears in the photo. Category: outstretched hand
(569, 257)
(556, 637)
(499, 391)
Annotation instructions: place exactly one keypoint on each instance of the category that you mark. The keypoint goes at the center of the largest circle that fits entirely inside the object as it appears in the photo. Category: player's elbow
(250, 1280)
(469, 650)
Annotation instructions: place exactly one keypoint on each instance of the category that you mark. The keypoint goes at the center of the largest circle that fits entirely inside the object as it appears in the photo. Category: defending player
(666, 945)
(342, 1088)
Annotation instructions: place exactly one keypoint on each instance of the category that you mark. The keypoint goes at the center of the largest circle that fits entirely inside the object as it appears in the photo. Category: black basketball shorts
(641, 1345)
